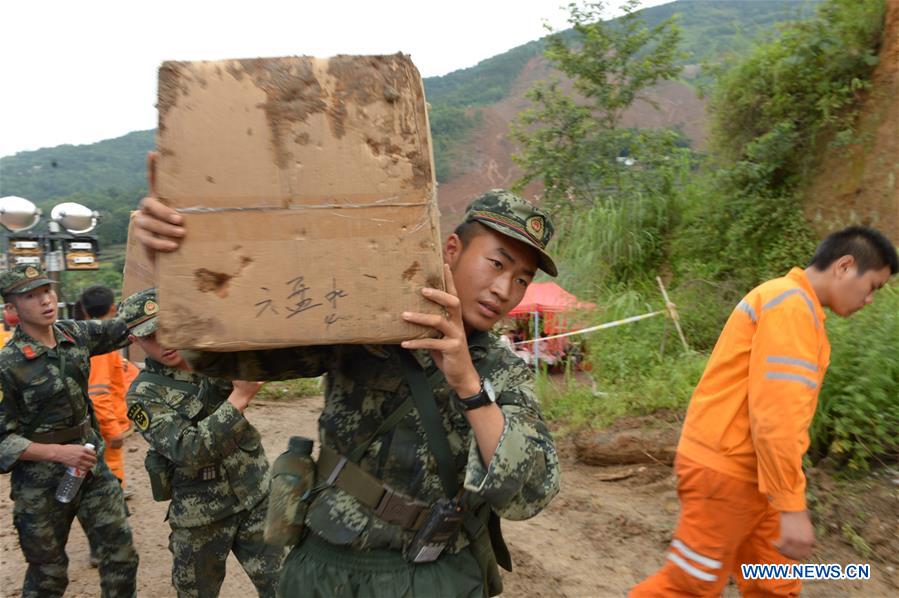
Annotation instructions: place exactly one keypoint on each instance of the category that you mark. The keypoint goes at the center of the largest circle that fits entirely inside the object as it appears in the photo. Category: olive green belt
(334, 469)
(79, 432)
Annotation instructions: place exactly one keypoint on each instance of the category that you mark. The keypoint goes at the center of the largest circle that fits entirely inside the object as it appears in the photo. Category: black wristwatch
(485, 396)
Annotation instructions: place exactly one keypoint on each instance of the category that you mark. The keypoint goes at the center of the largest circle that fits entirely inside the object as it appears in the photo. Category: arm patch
(140, 416)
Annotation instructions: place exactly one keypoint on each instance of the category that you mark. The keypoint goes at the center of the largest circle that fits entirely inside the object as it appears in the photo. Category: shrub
(858, 409)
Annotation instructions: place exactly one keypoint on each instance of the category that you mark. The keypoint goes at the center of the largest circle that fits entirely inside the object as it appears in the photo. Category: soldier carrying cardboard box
(364, 522)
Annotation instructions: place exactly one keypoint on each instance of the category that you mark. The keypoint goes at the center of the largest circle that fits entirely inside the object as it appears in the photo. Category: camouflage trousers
(43, 524)
(199, 554)
(318, 569)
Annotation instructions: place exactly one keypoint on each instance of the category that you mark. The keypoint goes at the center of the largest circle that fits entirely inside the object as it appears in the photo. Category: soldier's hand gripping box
(308, 192)
(137, 276)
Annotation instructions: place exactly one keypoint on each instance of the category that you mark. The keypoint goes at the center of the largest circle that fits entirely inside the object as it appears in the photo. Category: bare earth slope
(491, 162)
(860, 183)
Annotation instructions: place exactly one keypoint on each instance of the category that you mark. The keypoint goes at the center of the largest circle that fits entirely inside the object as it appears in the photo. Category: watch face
(485, 397)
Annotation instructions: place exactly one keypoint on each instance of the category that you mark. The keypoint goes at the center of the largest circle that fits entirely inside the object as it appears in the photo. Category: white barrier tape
(594, 328)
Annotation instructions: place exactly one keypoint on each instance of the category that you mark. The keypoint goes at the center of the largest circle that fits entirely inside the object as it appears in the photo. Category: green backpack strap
(482, 525)
(153, 378)
(423, 397)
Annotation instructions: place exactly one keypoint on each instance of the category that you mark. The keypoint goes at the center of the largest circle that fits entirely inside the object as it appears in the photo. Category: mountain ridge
(470, 109)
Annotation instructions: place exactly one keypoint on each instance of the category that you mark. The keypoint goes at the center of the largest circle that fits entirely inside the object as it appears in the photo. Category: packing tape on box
(388, 203)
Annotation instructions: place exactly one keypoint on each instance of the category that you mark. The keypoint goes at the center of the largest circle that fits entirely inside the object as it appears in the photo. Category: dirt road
(606, 530)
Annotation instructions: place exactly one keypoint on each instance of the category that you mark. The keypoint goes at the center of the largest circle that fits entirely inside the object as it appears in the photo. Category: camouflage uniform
(352, 551)
(219, 471)
(37, 399)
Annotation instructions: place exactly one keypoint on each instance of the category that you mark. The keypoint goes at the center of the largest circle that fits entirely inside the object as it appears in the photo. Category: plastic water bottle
(293, 474)
(71, 482)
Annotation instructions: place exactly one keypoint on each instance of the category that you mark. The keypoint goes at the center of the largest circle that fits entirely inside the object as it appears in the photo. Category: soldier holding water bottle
(47, 435)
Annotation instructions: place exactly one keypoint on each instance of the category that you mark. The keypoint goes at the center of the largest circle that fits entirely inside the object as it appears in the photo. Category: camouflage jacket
(364, 385)
(36, 398)
(219, 465)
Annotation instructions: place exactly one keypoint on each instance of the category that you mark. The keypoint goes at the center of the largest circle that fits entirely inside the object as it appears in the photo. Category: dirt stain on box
(293, 93)
(411, 271)
(173, 81)
(208, 281)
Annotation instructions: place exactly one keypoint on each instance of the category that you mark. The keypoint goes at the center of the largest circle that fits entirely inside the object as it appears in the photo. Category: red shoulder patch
(28, 351)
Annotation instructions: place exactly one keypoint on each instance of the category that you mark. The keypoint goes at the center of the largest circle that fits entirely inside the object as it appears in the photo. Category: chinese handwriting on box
(301, 298)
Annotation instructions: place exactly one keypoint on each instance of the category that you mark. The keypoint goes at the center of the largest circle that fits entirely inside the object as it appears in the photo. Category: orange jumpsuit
(106, 388)
(129, 372)
(739, 460)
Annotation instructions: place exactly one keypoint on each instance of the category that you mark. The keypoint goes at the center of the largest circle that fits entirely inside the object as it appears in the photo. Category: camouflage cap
(139, 312)
(21, 279)
(509, 214)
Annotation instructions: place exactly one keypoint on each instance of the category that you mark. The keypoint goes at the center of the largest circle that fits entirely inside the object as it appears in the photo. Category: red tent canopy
(548, 297)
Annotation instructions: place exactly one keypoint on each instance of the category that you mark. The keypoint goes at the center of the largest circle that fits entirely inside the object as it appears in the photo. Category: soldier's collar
(478, 343)
(33, 349)
(29, 347)
(61, 335)
(153, 366)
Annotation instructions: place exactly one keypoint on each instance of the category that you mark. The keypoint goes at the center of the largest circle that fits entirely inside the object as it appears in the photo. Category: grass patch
(636, 369)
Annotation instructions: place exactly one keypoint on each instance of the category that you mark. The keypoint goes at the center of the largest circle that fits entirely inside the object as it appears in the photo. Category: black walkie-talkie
(438, 532)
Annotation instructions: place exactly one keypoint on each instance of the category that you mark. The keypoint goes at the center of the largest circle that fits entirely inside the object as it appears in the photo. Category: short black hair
(96, 300)
(870, 248)
(468, 230)
(78, 311)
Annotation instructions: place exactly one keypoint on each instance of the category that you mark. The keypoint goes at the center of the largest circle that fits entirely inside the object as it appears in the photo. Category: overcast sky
(79, 71)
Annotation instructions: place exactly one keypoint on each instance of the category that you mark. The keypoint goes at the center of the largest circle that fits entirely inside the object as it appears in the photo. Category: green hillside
(109, 175)
(105, 167)
(714, 29)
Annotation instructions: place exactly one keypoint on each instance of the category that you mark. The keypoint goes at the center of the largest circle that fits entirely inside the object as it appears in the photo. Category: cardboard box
(307, 187)
(137, 276)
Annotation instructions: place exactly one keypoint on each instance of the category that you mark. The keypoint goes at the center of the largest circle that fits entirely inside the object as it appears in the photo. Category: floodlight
(18, 214)
(74, 217)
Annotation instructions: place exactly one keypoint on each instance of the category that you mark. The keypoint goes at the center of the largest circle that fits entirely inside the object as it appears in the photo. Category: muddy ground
(606, 530)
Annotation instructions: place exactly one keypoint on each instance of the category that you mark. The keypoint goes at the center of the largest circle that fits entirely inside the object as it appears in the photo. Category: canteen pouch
(160, 471)
(293, 478)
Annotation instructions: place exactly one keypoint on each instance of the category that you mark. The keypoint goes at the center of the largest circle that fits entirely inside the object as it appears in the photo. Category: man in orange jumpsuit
(739, 461)
(129, 372)
(106, 386)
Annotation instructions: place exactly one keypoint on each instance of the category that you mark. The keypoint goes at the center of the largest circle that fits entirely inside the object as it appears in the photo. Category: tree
(572, 141)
